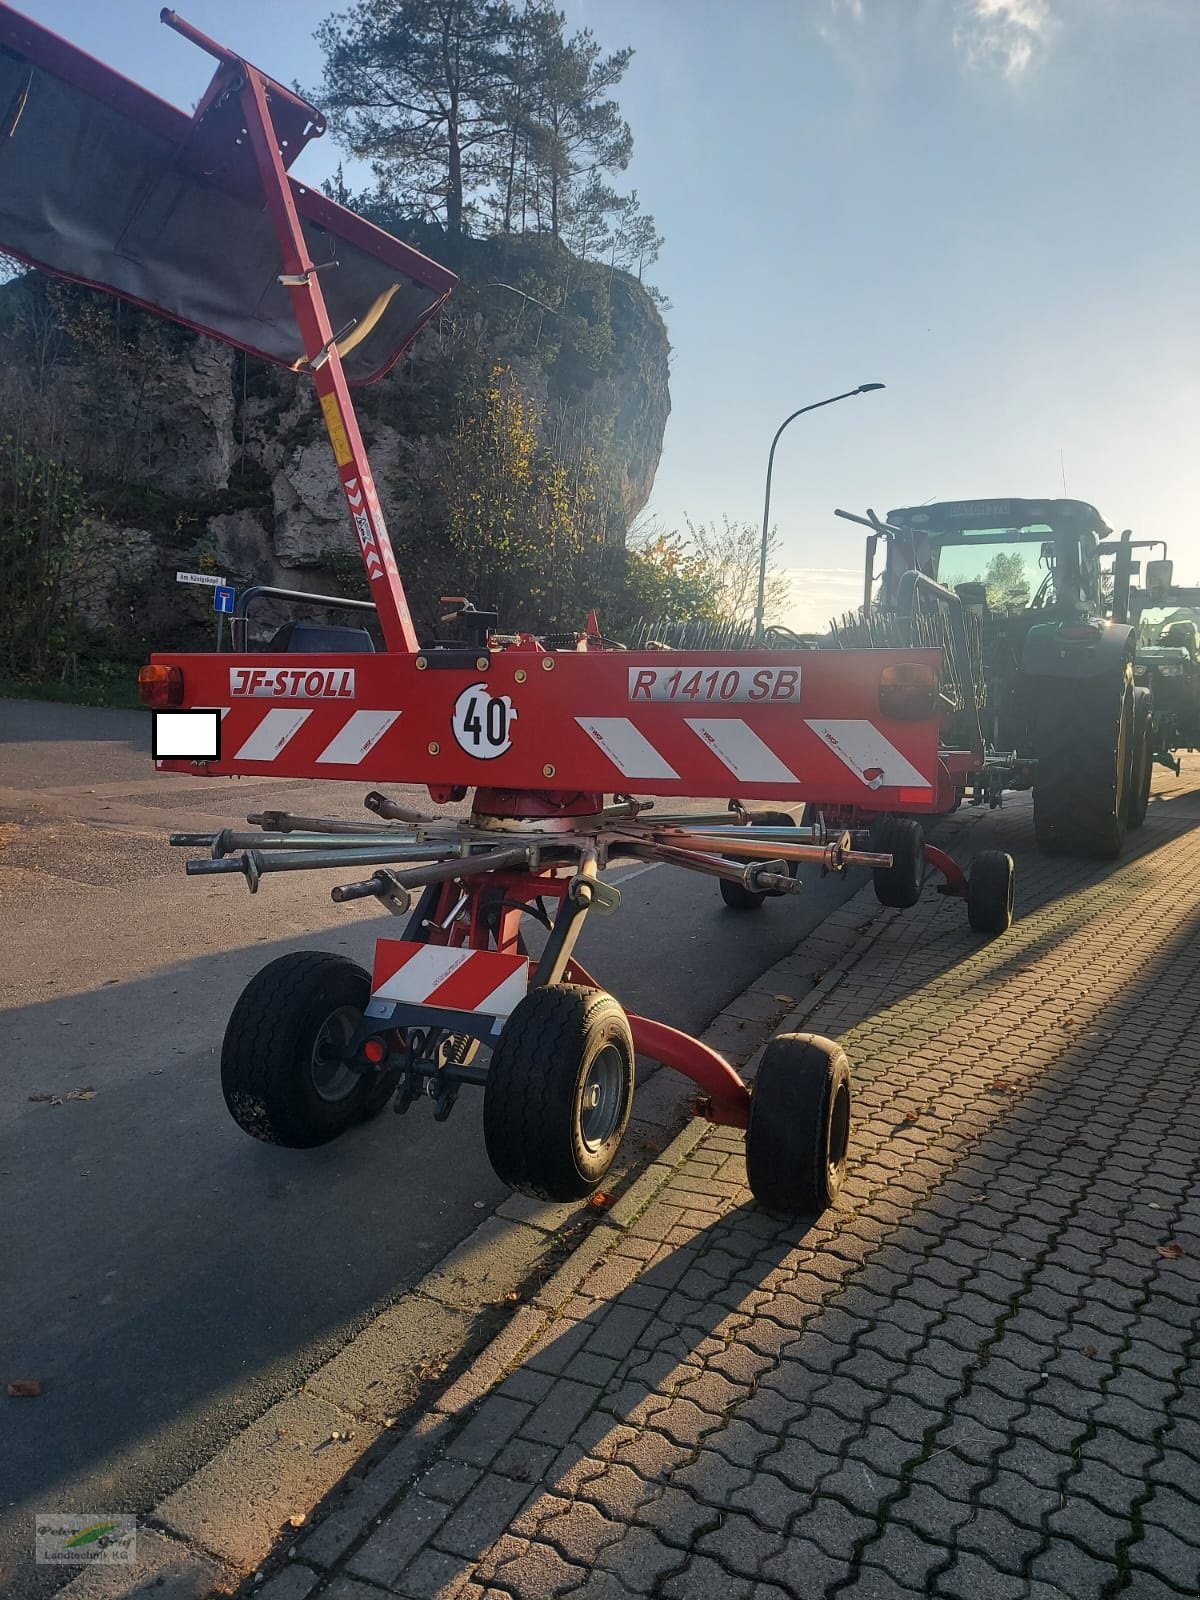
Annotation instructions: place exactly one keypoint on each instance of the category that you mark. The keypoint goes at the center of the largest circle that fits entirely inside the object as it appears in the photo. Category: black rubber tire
(533, 1112)
(1137, 800)
(799, 1125)
(267, 1056)
(991, 879)
(904, 840)
(1082, 742)
(735, 895)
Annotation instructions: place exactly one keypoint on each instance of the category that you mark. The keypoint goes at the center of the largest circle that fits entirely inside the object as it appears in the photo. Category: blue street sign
(223, 599)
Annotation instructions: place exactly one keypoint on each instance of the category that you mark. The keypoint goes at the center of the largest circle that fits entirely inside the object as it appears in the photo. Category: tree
(524, 530)
(640, 241)
(574, 132)
(664, 580)
(585, 226)
(415, 87)
(485, 116)
(732, 553)
(529, 30)
(708, 575)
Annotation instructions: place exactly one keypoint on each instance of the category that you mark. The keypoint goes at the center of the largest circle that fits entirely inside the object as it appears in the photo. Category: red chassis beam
(803, 725)
(324, 360)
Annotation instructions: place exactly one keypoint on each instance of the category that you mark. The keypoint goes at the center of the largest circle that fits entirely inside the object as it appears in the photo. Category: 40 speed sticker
(482, 722)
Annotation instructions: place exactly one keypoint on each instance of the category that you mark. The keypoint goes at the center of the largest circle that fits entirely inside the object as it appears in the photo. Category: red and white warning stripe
(345, 738)
(357, 738)
(460, 980)
(276, 730)
(627, 747)
(351, 744)
(860, 746)
(736, 746)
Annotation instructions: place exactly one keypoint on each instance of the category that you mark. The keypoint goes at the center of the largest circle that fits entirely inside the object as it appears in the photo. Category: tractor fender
(1047, 654)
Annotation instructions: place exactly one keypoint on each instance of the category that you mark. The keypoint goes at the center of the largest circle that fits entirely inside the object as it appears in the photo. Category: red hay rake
(198, 219)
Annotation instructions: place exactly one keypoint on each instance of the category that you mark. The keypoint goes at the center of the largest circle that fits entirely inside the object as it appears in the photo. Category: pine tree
(574, 133)
(415, 87)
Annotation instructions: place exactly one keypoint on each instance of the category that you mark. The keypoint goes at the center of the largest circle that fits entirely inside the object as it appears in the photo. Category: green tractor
(1038, 681)
(1167, 664)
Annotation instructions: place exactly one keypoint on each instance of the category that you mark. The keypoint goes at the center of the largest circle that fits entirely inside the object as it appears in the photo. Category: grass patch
(108, 684)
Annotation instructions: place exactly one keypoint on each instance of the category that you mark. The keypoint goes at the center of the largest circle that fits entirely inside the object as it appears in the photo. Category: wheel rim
(602, 1099)
(332, 1079)
(839, 1130)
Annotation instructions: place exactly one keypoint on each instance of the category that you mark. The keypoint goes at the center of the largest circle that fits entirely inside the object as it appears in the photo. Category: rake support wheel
(280, 1074)
(559, 1092)
(904, 840)
(990, 885)
(799, 1125)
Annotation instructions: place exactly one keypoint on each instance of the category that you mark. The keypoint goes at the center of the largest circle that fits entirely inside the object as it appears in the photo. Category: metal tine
(229, 840)
(252, 863)
(711, 866)
(285, 822)
(384, 806)
(682, 820)
(315, 860)
(778, 835)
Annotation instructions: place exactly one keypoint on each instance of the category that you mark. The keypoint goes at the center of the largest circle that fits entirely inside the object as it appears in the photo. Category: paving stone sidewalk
(975, 1377)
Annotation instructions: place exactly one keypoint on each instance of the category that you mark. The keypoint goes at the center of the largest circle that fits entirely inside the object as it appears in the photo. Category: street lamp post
(863, 388)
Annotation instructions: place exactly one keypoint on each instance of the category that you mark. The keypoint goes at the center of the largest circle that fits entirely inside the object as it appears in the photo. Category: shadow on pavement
(970, 1376)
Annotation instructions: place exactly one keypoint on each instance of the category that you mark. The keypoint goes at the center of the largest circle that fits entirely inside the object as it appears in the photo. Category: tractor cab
(1003, 557)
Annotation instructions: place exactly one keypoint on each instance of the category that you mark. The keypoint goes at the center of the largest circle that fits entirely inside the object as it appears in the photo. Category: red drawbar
(729, 1098)
(956, 882)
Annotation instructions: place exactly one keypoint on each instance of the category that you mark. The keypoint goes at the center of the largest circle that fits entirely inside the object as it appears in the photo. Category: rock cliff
(193, 454)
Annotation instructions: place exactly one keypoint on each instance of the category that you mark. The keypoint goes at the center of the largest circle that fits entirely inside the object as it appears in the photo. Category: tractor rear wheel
(736, 895)
(282, 1078)
(559, 1091)
(1142, 765)
(990, 884)
(904, 840)
(1084, 733)
(799, 1128)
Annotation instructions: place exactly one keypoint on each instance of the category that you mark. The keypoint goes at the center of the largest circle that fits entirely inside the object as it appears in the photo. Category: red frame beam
(320, 348)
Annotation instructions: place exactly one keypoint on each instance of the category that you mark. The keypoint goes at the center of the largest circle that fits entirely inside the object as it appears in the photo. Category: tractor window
(1011, 573)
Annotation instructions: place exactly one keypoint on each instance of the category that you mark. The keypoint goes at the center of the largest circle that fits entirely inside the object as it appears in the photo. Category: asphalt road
(165, 1277)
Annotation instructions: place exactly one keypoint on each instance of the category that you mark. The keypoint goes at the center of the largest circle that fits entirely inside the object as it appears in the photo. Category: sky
(990, 206)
